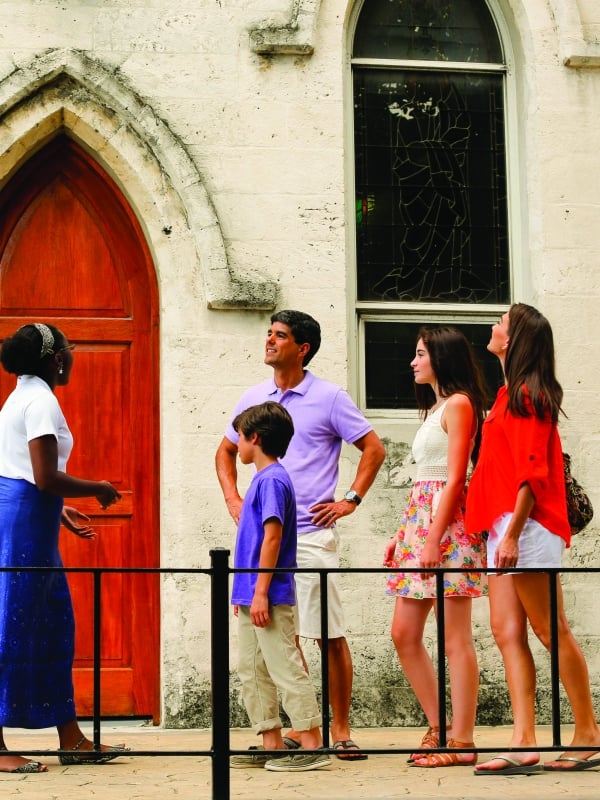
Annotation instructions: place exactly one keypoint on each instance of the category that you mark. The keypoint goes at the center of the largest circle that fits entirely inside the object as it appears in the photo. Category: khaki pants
(270, 661)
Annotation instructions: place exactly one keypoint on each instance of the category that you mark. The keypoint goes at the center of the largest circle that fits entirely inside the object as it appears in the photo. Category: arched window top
(427, 30)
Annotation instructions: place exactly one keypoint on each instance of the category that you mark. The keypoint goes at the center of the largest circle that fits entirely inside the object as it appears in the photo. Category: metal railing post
(554, 658)
(97, 575)
(219, 635)
(323, 575)
(441, 648)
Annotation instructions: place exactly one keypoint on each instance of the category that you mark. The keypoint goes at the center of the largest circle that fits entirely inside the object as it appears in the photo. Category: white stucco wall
(241, 157)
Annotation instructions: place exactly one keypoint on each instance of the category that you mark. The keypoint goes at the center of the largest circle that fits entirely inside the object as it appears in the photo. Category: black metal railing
(219, 574)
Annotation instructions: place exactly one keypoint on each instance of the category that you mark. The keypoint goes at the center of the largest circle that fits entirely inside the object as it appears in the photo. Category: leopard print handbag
(579, 505)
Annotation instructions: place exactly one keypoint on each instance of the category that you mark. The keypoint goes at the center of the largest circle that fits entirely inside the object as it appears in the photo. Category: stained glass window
(430, 179)
(427, 30)
(430, 186)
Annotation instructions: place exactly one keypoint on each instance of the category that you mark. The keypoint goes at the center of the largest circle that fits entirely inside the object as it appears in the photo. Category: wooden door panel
(122, 690)
(98, 396)
(73, 254)
(116, 640)
(75, 287)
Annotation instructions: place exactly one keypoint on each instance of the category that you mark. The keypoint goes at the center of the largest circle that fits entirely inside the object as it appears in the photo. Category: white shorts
(318, 549)
(539, 548)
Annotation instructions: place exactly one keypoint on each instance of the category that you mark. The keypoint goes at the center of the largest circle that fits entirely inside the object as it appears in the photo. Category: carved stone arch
(66, 91)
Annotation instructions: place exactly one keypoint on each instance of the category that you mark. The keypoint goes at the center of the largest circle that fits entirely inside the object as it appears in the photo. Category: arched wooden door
(73, 254)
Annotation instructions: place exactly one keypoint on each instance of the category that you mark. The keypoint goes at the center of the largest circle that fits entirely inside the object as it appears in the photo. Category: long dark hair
(530, 363)
(456, 369)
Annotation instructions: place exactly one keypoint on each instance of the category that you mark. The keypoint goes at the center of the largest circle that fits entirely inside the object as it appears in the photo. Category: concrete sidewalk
(382, 777)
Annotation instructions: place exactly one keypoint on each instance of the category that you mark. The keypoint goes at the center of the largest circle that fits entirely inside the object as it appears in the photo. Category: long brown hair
(530, 363)
(456, 369)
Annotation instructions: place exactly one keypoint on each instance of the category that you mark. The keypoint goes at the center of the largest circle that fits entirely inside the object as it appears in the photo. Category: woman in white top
(36, 615)
(450, 394)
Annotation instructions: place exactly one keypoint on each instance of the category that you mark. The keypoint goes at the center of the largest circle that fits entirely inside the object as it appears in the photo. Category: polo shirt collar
(301, 388)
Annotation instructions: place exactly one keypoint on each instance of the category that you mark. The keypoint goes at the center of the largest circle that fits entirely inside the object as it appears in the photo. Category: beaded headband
(47, 339)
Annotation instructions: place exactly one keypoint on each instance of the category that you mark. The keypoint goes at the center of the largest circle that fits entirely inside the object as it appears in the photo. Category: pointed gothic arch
(64, 91)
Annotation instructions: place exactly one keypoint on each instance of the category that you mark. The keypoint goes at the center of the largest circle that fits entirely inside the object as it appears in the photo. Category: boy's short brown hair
(273, 424)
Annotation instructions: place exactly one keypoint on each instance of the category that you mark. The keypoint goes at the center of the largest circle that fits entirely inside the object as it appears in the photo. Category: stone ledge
(296, 36)
(583, 62)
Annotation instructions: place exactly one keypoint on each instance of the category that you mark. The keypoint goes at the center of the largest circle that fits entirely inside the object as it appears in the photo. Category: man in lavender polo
(324, 415)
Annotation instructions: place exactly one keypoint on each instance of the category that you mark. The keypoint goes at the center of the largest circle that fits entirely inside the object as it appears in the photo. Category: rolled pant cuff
(267, 725)
(308, 724)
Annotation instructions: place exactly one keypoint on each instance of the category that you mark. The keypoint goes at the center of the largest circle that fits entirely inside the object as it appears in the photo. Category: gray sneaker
(256, 758)
(299, 761)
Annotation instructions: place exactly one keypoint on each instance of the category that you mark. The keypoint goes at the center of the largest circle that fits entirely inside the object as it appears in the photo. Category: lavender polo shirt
(324, 415)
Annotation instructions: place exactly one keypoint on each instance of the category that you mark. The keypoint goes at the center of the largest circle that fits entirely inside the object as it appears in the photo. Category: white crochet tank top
(430, 448)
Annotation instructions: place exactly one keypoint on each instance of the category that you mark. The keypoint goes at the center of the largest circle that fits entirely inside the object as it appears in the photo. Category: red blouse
(517, 450)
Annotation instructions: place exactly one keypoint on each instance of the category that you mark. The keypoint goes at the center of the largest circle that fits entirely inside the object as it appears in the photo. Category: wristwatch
(353, 497)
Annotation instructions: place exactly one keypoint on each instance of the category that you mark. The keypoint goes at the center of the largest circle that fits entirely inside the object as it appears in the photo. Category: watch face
(352, 496)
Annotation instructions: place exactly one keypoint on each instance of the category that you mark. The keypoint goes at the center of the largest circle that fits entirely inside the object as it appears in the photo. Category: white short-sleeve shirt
(30, 411)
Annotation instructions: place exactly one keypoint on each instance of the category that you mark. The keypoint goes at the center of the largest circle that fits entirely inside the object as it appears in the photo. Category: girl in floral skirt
(450, 394)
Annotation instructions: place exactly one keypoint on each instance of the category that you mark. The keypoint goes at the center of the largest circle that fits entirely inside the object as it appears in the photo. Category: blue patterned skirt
(37, 629)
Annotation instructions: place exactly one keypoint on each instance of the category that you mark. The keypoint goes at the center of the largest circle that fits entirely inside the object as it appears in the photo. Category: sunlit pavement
(381, 777)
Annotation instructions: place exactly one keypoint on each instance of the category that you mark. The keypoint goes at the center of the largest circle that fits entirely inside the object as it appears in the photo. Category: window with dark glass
(430, 177)
(389, 349)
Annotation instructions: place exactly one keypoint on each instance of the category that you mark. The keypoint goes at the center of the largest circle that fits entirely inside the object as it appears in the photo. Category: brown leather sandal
(430, 741)
(447, 759)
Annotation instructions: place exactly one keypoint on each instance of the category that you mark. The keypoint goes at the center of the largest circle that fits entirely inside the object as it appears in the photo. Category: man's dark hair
(304, 329)
(271, 422)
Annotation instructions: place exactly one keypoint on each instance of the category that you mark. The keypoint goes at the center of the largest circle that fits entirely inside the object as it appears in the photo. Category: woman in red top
(517, 493)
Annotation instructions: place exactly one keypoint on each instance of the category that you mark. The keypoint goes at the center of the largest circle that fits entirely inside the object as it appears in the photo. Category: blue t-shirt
(269, 496)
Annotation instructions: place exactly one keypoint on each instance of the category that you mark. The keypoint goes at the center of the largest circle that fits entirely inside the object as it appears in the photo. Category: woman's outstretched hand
(107, 494)
(76, 522)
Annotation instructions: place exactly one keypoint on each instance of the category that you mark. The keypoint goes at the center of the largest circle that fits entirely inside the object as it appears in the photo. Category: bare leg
(272, 740)
(408, 624)
(311, 739)
(407, 632)
(340, 687)
(462, 667)
(509, 626)
(534, 593)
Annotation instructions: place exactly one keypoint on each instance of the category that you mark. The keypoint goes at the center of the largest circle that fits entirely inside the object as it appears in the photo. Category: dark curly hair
(20, 353)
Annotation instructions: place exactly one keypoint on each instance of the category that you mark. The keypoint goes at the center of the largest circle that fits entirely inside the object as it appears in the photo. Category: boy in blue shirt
(269, 660)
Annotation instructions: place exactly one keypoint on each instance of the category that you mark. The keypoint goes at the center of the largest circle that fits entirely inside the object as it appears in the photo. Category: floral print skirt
(458, 549)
